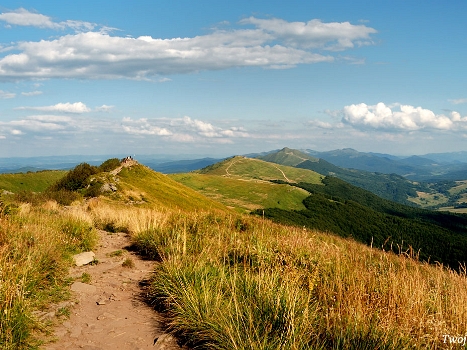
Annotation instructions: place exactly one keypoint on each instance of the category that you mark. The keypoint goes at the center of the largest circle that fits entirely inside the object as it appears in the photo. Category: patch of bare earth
(109, 312)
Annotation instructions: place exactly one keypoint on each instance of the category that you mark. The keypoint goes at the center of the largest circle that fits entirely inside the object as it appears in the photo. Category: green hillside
(288, 156)
(244, 194)
(250, 168)
(36, 182)
(245, 183)
(140, 185)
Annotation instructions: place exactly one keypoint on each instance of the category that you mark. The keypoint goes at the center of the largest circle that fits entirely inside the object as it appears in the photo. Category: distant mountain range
(432, 167)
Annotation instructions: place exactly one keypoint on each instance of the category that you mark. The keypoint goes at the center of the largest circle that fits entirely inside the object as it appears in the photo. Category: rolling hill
(245, 183)
(250, 168)
(389, 186)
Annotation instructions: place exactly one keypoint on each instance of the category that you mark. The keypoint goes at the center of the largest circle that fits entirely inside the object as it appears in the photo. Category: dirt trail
(109, 313)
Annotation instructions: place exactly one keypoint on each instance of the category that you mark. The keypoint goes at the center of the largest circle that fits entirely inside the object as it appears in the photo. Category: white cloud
(23, 17)
(202, 128)
(143, 126)
(407, 118)
(104, 108)
(458, 101)
(274, 43)
(149, 130)
(32, 93)
(183, 129)
(77, 107)
(6, 94)
(333, 36)
(320, 124)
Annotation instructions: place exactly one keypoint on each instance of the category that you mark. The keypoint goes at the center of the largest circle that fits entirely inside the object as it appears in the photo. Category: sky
(219, 78)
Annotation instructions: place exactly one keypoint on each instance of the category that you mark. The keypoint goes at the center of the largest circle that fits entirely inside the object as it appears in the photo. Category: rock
(109, 187)
(81, 287)
(83, 258)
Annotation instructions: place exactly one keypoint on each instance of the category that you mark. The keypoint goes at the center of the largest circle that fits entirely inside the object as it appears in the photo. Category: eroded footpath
(109, 312)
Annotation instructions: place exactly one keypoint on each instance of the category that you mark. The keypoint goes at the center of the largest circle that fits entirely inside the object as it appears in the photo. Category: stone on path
(81, 287)
(83, 258)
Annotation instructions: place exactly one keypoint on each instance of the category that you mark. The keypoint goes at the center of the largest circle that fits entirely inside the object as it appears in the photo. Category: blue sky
(220, 78)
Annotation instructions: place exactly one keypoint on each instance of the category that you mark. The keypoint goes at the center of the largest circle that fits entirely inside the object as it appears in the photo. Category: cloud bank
(407, 118)
(271, 43)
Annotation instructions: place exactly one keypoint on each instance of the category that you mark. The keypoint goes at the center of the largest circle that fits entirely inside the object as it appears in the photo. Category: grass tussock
(229, 282)
(36, 246)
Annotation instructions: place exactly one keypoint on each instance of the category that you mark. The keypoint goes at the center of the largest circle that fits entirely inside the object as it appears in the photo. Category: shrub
(109, 164)
(76, 179)
(62, 196)
(93, 190)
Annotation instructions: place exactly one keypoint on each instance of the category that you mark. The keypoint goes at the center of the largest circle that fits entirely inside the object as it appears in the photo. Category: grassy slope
(244, 183)
(36, 182)
(249, 168)
(231, 281)
(245, 194)
(141, 184)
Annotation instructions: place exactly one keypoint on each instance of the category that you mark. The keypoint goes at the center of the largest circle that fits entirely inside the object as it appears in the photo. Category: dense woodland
(389, 186)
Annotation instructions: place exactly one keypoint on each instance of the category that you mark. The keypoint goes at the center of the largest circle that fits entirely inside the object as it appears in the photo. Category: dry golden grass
(352, 294)
(229, 281)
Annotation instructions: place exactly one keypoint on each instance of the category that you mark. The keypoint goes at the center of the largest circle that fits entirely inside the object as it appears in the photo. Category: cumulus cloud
(23, 17)
(273, 43)
(77, 107)
(407, 118)
(6, 94)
